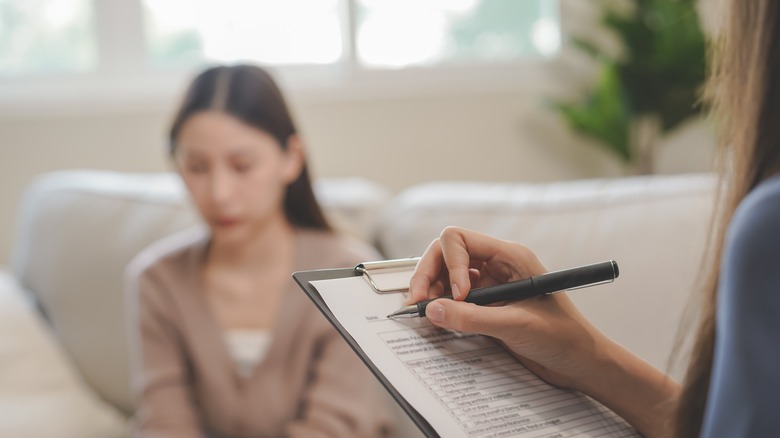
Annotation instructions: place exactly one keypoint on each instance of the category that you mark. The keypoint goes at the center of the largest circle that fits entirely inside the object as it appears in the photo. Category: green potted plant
(647, 90)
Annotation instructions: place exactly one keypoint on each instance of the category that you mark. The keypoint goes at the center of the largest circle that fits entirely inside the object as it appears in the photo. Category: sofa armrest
(39, 381)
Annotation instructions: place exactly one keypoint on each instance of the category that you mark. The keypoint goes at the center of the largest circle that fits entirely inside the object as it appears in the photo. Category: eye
(242, 167)
(196, 168)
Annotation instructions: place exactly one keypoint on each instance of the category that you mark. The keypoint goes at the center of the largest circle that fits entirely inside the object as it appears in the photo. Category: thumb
(494, 321)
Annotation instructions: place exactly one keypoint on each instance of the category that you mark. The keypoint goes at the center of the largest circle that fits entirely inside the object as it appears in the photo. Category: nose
(223, 187)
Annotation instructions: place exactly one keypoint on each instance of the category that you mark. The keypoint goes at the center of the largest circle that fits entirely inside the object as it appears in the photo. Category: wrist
(638, 392)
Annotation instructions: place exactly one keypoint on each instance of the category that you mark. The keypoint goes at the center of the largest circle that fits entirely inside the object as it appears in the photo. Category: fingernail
(435, 312)
(455, 291)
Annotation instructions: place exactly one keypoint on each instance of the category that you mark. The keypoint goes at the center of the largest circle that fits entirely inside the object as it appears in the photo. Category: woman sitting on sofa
(226, 345)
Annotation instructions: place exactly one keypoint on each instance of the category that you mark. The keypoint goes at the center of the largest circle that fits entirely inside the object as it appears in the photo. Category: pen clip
(589, 285)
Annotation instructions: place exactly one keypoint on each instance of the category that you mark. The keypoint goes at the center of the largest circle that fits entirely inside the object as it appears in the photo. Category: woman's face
(236, 174)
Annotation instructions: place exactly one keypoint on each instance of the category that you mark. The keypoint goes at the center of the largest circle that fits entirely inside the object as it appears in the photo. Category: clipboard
(372, 271)
(528, 410)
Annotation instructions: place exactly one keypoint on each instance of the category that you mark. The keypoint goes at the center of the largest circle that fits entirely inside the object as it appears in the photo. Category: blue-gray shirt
(744, 398)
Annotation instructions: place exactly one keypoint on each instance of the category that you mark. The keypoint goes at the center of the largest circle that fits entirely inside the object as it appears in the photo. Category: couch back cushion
(654, 227)
(77, 230)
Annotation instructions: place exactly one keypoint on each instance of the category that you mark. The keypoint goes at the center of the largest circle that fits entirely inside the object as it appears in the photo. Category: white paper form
(465, 385)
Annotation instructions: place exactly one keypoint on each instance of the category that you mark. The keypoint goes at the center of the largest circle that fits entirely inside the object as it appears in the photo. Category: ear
(295, 158)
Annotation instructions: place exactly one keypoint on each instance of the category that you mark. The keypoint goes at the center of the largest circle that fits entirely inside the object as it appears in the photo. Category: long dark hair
(745, 90)
(249, 93)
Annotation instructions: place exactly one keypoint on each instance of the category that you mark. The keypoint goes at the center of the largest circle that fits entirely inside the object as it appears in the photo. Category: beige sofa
(78, 229)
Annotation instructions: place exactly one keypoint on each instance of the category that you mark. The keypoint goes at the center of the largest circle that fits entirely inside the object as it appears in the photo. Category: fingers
(505, 260)
(459, 258)
(470, 318)
(427, 274)
(446, 262)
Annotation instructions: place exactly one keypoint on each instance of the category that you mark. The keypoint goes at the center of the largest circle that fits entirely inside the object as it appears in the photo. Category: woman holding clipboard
(732, 386)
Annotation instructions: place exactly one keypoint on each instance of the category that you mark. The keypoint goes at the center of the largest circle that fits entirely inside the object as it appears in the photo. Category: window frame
(129, 82)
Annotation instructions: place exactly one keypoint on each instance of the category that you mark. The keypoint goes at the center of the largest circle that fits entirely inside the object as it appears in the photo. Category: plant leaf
(604, 115)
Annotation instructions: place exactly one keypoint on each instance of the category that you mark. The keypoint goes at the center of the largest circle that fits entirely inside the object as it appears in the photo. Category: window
(46, 36)
(106, 48)
(268, 31)
(399, 33)
(387, 33)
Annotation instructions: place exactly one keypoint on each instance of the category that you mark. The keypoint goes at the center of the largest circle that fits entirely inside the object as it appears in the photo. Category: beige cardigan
(310, 383)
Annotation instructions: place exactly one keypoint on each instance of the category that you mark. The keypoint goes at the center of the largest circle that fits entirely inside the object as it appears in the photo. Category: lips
(226, 222)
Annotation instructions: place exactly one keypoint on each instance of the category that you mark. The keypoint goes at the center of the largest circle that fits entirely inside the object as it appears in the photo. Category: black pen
(551, 282)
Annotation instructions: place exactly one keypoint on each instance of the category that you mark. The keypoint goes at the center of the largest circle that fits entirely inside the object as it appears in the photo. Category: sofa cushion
(41, 395)
(79, 229)
(654, 227)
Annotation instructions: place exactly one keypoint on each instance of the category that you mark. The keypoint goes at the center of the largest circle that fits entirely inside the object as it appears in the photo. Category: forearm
(166, 411)
(640, 393)
(160, 377)
(167, 430)
(343, 399)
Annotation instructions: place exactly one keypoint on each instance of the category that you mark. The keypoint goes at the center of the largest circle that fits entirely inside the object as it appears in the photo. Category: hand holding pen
(544, 284)
(547, 334)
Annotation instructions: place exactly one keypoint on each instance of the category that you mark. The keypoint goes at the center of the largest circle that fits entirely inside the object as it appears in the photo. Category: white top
(247, 348)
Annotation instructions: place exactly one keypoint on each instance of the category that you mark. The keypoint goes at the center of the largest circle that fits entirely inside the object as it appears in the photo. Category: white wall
(488, 133)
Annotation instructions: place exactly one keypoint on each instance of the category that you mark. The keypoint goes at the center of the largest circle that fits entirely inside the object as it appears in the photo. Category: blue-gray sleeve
(744, 398)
